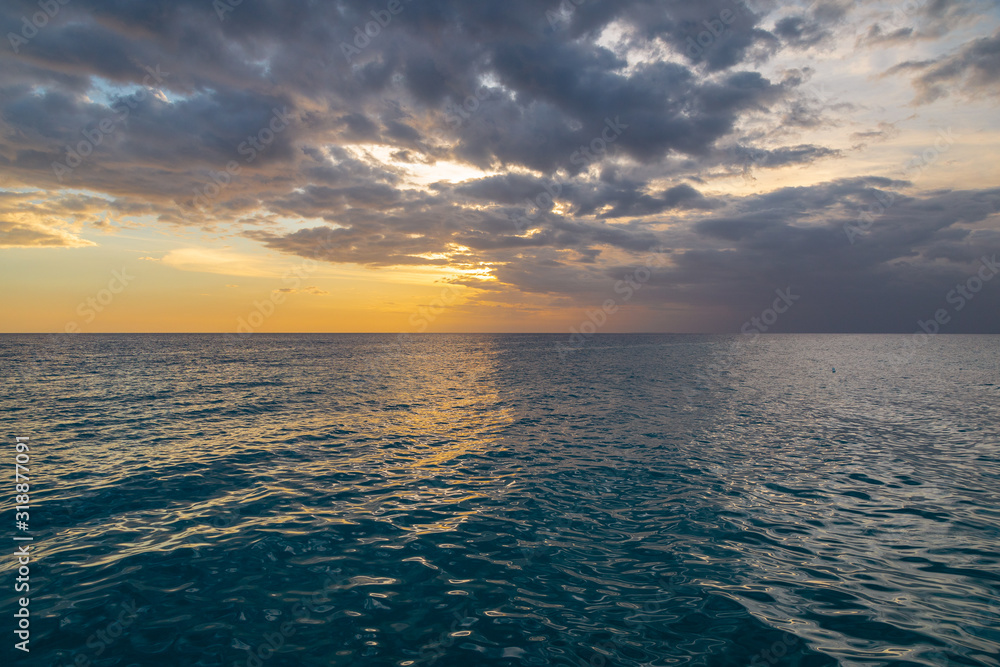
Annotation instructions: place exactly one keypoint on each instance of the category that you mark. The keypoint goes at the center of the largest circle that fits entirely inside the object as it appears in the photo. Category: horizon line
(489, 333)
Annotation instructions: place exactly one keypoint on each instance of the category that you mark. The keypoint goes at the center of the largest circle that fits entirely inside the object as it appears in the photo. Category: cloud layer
(577, 137)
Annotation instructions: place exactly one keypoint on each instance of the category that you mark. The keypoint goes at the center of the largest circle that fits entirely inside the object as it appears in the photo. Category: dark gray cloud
(877, 35)
(715, 34)
(884, 132)
(921, 20)
(556, 90)
(800, 31)
(899, 270)
(612, 196)
(974, 69)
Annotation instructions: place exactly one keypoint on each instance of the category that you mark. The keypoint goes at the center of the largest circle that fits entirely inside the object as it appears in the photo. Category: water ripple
(480, 500)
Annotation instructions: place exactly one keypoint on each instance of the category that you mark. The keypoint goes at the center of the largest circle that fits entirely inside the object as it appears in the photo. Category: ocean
(493, 500)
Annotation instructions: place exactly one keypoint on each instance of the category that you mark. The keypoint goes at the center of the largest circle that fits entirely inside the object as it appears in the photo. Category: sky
(485, 166)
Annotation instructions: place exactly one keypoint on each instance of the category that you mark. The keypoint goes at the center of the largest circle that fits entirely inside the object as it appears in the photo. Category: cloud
(550, 92)
(20, 235)
(913, 254)
(224, 262)
(921, 21)
(311, 289)
(879, 36)
(973, 69)
(528, 149)
(734, 252)
(801, 32)
(884, 132)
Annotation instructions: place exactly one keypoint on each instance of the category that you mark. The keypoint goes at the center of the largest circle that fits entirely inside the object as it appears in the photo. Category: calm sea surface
(485, 500)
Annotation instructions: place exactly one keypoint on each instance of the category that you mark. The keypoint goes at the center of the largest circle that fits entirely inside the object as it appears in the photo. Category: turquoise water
(485, 500)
